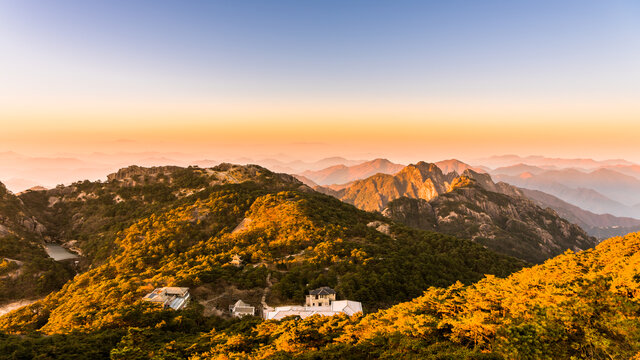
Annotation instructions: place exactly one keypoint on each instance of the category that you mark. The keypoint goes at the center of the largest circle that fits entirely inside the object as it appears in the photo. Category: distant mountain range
(469, 205)
(20, 172)
(297, 166)
(541, 161)
(556, 187)
(457, 166)
(600, 191)
(599, 187)
(602, 226)
(342, 174)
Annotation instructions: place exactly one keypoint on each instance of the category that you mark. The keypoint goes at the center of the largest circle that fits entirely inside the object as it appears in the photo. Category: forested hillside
(575, 306)
(303, 239)
(87, 215)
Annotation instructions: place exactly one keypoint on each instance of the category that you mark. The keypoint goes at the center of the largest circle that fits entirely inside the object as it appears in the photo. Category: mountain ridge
(471, 206)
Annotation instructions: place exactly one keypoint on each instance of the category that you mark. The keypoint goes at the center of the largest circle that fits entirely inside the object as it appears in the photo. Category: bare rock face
(4, 231)
(419, 181)
(14, 217)
(512, 225)
(471, 205)
(380, 226)
(405, 210)
(32, 225)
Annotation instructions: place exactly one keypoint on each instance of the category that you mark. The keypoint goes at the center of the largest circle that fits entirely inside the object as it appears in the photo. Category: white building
(240, 309)
(337, 307)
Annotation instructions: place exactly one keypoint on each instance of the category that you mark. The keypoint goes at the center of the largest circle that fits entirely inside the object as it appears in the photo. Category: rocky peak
(456, 166)
(460, 182)
(471, 205)
(483, 180)
(425, 169)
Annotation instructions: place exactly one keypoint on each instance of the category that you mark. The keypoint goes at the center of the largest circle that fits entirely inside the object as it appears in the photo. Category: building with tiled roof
(176, 298)
(240, 309)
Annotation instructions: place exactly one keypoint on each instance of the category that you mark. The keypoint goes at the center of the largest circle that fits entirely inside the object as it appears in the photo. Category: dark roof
(325, 290)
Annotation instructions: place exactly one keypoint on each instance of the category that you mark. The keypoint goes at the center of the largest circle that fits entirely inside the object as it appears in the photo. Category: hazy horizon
(404, 81)
(20, 171)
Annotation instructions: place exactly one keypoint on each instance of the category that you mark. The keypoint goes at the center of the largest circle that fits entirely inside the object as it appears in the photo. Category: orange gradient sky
(407, 80)
(405, 131)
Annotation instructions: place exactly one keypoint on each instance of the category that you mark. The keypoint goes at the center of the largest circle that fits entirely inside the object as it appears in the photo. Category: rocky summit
(496, 215)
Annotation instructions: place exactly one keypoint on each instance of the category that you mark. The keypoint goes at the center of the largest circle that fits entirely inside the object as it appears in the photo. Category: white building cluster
(321, 301)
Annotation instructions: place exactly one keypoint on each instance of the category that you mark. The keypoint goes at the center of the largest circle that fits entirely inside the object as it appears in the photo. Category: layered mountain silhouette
(547, 162)
(600, 191)
(341, 174)
(631, 170)
(602, 226)
(457, 166)
(469, 205)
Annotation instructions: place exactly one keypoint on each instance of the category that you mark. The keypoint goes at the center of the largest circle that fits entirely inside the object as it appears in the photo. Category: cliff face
(471, 205)
(15, 219)
(420, 181)
(510, 225)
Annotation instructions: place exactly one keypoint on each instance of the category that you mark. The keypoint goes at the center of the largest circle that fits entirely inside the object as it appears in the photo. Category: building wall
(320, 300)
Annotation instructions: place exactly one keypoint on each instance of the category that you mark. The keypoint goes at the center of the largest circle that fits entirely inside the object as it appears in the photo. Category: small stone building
(240, 309)
(322, 296)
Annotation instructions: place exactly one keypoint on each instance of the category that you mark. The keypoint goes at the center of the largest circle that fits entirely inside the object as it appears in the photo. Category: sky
(406, 80)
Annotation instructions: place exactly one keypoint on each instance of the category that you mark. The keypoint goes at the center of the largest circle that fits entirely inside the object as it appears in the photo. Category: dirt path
(210, 306)
(263, 300)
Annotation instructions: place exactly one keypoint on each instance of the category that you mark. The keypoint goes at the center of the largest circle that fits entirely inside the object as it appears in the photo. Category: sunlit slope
(87, 215)
(574, 306)
(302, 238)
